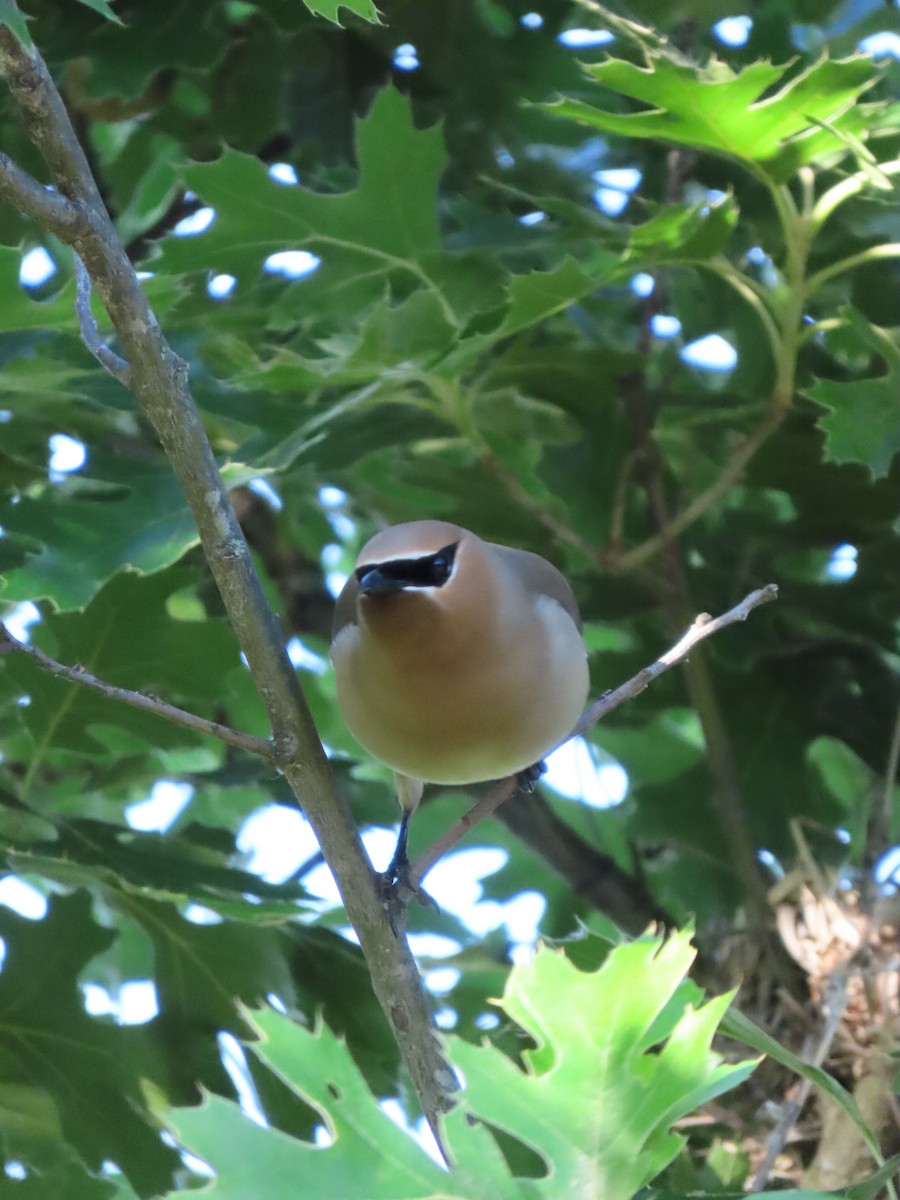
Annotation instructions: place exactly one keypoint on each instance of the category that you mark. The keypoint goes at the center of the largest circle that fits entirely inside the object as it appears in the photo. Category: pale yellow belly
(503, 716)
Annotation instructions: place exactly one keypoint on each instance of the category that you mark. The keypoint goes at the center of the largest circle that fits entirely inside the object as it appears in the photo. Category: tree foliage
(449, 259)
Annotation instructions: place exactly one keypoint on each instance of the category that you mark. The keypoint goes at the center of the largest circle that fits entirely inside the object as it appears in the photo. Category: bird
(456, 661)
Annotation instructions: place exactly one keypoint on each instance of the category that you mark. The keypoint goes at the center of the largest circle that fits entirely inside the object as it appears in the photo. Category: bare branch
(90, 333)
(485, 807)
(727, 478)
(593, 876)
(160, 384)
(45, 117)
(560, 530)
(151, 704)
(703, 626)
(42, 204)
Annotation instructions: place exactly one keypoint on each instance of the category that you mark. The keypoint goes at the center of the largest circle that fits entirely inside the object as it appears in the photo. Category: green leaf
(384, 225)
(103, 8)
(740, 1027)
(370, 1158)
(538, 295)
(78, 537)
(16, 20)
(89, 1068)
(331, 8)
(781, 1194)
(862, 423)
(149, 187)
(678, 234)
(204, 971)
(757, 115)
(654, 754)
(595, 1101)
(27, 1114)
(21, 311)
(88, 853)
(160, 37)
(126, 638)
(869, 1188)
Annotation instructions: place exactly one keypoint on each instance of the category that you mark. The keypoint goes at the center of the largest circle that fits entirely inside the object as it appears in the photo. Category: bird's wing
(541, 578)
(345, 608)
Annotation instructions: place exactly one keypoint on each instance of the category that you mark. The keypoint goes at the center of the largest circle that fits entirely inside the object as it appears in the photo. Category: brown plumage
(457, 660)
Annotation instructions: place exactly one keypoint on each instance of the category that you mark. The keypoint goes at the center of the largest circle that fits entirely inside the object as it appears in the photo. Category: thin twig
(835, 1003)
(727, 478)
(561, 530)
(703, 627)
(674, 587)
(485, 807)
(616, 537)
(90, 333)
(147, 703)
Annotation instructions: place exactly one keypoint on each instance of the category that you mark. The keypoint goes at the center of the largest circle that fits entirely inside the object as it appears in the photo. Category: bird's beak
(374, 582)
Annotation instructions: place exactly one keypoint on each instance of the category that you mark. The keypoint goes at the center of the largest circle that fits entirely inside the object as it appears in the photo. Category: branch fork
(74, 211)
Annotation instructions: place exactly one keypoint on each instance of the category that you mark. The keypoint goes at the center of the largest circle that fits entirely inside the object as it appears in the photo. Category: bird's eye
(442, 564)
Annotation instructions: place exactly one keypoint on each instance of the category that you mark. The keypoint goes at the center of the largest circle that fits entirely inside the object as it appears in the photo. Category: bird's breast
(464, 709)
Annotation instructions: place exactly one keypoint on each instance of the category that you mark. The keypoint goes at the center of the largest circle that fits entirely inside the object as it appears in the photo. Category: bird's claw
(528, 778)
(398, 886)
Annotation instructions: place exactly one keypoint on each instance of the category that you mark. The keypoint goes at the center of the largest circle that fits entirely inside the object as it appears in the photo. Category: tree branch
(560, 530)
(703, 627)
(90, 333)
(160, 384)
(870, 254)
(593, 875)
(728, 802)
(727, 478)
(141, 700)
(613, 558)
(42, 204)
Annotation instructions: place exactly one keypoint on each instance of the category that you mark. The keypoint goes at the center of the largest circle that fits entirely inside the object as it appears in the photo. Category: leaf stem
(829, 201)
(870, 254)
(754, 296)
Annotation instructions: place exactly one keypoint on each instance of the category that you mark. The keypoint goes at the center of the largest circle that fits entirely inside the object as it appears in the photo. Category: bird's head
(416, 557)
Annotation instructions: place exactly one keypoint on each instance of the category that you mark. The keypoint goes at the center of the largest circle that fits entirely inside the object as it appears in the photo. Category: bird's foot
(528, 778)
(398, 886)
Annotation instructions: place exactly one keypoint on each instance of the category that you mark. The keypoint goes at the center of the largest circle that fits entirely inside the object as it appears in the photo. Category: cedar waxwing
(456, 660)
